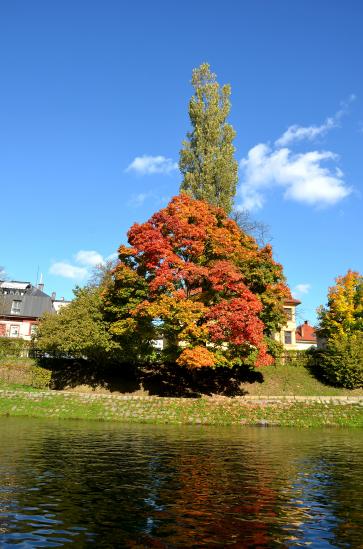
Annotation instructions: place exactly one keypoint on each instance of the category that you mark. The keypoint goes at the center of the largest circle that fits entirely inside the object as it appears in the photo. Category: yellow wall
(290, 327)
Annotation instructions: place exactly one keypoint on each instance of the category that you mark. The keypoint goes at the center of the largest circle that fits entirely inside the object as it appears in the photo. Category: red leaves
(194, 260)
(236, 321)
(224, 276)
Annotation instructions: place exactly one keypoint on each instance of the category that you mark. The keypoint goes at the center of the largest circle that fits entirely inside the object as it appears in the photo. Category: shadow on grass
(313, 365)
(157, 379)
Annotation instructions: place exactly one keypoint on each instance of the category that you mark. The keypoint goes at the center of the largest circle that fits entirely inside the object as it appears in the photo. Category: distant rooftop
(305, 332)
(14, 285)
(23, 299)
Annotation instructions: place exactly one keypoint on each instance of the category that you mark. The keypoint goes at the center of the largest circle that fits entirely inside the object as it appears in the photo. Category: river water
(81, 484)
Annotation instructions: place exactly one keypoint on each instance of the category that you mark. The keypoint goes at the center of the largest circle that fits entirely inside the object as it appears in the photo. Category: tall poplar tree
(210, 171)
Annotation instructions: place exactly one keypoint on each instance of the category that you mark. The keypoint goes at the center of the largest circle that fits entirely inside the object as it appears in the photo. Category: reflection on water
(113, 485)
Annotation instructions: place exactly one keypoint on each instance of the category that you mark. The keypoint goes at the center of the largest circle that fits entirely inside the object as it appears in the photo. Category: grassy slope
(277, 381)
(293, 380)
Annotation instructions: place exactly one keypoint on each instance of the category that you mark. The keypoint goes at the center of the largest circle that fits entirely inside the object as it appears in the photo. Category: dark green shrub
(341, 362)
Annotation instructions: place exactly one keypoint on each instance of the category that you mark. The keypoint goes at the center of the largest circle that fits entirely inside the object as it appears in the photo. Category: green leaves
(341, 361)
(341, 326)
(78, 329)
(210, 171)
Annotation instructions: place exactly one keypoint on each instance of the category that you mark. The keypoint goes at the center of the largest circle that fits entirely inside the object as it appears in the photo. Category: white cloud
(158, 200)
(302, 288)
(139, 199)
(300, 133)
(67, 270)
(86, 258)
(146, 165)
(309, 133)
(89, 258)
(303, 176)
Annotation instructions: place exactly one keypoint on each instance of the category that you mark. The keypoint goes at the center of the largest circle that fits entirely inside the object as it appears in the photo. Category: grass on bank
(19, 398)
(277, 380)
(293, 379)
(180, 411)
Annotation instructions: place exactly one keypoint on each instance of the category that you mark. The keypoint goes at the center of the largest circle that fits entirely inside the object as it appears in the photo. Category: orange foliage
(196, 358)
(203, 279)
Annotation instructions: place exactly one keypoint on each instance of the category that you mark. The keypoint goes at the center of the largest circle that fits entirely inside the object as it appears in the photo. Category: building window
(33, 329)
(288, 313)
(15, 307)
(287, 337)
(14, 331)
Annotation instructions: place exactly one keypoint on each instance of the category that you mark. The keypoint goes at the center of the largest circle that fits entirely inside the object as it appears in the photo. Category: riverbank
(166, 380)
(291, 411)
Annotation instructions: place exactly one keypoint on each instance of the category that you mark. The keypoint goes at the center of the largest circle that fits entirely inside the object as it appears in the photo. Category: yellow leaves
(123, 273)
(342, 295)
(345, 306)
(183, 312)
(194, 331)
(124, 326)
(126, 251)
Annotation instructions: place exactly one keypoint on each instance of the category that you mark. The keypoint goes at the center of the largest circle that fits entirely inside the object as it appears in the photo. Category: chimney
(53, 296)
(302, 327)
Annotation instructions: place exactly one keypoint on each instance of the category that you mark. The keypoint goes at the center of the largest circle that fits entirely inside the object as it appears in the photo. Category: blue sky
(93, 110)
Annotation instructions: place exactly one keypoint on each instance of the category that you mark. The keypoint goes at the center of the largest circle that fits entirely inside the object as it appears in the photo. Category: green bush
(275, 349)
(13, 347)
(341, 362)
(24, 371)
(295, 358)
(40, 377)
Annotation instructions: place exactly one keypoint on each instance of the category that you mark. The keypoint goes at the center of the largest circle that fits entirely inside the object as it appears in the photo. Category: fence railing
(294, 358)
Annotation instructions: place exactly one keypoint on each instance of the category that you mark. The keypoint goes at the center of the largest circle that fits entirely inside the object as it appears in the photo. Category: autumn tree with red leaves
(193, 276)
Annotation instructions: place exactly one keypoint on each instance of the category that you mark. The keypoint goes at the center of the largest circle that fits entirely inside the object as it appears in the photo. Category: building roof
(32, 301)
(305, 332)
(14, 285)
(291, 301)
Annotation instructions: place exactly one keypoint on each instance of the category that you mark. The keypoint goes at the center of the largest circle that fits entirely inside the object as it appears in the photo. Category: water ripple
(112, 485)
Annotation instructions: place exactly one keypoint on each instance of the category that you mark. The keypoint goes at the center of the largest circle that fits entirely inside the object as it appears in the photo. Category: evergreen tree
(210, 171)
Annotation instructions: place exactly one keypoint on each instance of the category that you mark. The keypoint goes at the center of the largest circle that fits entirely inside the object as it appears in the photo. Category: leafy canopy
(192, 276)
(341, 361)
(78, 329)
(209, 169)
(344, 311)
(341, 326)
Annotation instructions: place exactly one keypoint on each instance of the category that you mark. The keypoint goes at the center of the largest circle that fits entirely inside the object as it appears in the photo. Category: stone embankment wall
(248, 410)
